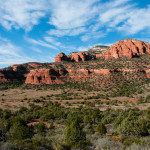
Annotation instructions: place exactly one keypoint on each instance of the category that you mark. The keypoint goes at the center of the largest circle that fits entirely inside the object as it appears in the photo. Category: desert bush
(101, 129)
(107, 143)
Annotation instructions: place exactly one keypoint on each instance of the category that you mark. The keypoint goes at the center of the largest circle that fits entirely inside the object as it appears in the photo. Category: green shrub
(101, 128)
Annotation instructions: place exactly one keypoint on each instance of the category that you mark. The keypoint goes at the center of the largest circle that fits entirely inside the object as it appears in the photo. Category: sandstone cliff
(47, 76)
(129, 48)
(75, 57)
(61, 57)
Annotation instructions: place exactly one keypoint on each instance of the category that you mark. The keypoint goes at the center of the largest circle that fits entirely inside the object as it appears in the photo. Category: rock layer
(61, 57)
(129, 48)
(75, 57)
(80, 56)
(47, 76)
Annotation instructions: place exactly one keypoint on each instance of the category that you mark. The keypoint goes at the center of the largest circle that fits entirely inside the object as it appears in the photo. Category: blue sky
(37, 30)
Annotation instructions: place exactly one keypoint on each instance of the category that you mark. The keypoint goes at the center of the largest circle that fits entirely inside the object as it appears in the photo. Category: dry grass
(14, 98)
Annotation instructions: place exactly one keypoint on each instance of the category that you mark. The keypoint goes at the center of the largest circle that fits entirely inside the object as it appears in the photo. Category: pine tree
(74, 133)
(101, 129)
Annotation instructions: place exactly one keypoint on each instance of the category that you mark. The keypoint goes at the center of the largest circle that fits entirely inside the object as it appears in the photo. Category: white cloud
(82, 48)
(11, 54)
(138, 20)
(67, 32)
(121, 15)
(36, 49)
(72, 18)
(52, 40)
(21, 13)
(7, 48)
(92, 35)
(114, 3)
(9, 60)
(41, 43)
(114, 15)
(68, 14)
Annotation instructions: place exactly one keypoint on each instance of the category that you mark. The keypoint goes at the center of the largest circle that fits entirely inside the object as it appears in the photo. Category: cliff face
(47, 76)
(80, 56)
(51, 76)
(61, 57)
(75, 57)
(129, 48)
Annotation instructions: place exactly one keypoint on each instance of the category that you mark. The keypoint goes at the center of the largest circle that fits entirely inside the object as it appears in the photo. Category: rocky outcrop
(73, 72)
(75, 57)
(80, 56)
(129, 48)
(102, 71)
(98, 50)
(47, 76)
(50, 76)
(61, 57)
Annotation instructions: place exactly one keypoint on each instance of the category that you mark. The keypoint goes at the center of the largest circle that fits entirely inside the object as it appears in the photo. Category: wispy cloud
(72, 18)
(92, 35)
(7, 48)
(68, 14)
(11, 54)
(41, 43)
(138, 20)
(21, 13)
(52, 40)
(67, 32)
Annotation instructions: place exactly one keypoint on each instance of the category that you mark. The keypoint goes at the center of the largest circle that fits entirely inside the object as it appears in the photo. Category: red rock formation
(73, 72)
(47, 76)
(129, 48)
(99, 55)
(102, 71)
(60, 57)
(80, 56)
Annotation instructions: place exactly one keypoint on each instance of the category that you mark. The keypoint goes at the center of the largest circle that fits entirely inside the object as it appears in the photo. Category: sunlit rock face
(75, 57)
(129, 48)
(47, 76)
